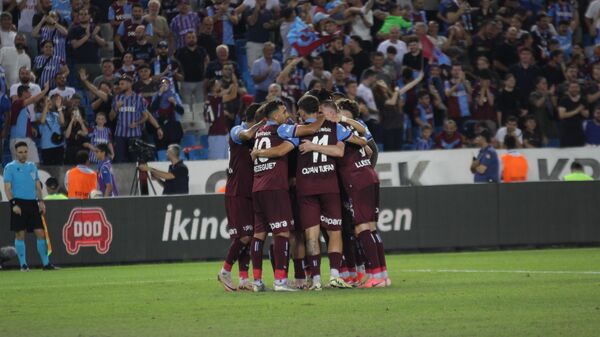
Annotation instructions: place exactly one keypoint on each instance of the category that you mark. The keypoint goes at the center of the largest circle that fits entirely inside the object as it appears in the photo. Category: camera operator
(176, 181)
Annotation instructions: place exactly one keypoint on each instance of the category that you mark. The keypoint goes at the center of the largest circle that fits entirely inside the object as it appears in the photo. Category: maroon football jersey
(316, 173)
(239, 172)
(269, 173)
(355, 167)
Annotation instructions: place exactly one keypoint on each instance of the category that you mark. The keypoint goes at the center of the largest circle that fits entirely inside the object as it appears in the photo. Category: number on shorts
(320, 141)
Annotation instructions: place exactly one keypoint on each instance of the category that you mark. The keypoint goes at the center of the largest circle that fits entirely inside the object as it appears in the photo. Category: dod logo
(87, 227)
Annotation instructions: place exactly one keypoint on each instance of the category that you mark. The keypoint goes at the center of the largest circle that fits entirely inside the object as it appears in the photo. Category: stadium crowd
(79, 73)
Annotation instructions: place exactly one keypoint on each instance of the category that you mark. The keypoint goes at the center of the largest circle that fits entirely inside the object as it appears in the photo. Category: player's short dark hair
(321, 94)
(20, 144)
(104, 148)
(576, 166)
(510, 142)
(512, 119)
(309, 104)
(350, 105)
(337, 96)
(251, 112)
(82, 157)
(22, 89)
(269, 108)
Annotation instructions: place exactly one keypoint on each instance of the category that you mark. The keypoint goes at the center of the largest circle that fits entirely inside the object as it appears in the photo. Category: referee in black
(24, 190)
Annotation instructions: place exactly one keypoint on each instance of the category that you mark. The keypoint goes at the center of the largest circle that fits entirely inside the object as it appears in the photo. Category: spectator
(85, 44)
(265, 71)
(214, 68)
(53, 189)
(217, 118)
(394, 40)
(103, 97)
(359, 56)
(21, 130)
(165, 66)
(184, 22)
(75, 135)
(532, 137)
(193, 61)
(361, 17)
(483, 100)
(364, 90)
(382, 72)
(127, 67)
(593, 87)
(259, 21)
(126, 35)
(13, 58)
(7, 30)
(141, 49)
(424, 141)
(207, 39)
(543, 107)
(224, 18)
(50, 29)
(81, 180)
(565, 38)
(439, 41)
(555, 68)
(108, 73)
(107, 184)
(160, 26)
(51, 121)
(275, 93)
(507, 53)
(511, 129)
(146, 85)
(334, 55)
(414, 58)
(25, 78)
(525, 73)
(61, 87)
(424, 113)
(318, 72)
(99, 135)
(592, 129)
(67, 12)
(176, 181)
(485, 166)
(508, 101)
(577, 173)
(166, 106)
(514, 163)
(460, 11)
(130, 111)
(449, 138)
(459, 92)
(572, 110)
(47, 66)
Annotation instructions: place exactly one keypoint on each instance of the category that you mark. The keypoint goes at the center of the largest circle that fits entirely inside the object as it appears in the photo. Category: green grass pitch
(553, 292)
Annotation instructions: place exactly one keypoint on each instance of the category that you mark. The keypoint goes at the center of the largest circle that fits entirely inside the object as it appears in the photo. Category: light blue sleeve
(8, 174)
(287, 132)
(235, 134)
(342, 133)
(111, 14)
(121, 29)
(368, 134)
(149, 30)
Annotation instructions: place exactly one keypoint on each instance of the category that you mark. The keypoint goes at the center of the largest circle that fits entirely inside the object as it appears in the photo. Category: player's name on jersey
(324, 129)
(264, 167)
(263, 134)
(363, 163)
(318, 169)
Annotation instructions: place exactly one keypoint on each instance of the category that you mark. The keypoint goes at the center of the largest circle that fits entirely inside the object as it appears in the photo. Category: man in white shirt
(511, 128)
(25, 78)
(7, 32)
(317, 73)
(25, 24)
(61, 87)
(364, 89)
(394, 40)
(13, 58)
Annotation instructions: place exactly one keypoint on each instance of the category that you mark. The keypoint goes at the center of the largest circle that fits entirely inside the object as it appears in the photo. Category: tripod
(140, 182)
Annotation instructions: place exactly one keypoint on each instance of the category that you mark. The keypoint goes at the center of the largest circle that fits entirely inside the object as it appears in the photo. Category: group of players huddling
(298, 179)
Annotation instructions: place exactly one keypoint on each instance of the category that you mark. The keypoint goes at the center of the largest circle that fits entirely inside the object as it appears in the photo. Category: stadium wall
(147, 229)
(410, 168)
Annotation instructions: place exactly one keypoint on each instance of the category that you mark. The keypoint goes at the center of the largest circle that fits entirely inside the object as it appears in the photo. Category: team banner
(180, 228)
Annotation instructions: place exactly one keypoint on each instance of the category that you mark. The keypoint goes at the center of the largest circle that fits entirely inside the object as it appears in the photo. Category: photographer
(176, 181)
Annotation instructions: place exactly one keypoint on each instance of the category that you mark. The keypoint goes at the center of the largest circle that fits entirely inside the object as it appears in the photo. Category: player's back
(316, 173)
(355, 167)
(269, 173)
(239, 172)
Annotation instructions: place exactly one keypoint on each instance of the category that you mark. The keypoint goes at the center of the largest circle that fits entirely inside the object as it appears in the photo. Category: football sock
(42, 249)
(21, 252)
(256, 253)
(272, 256)
(349, 256)
(370, 248)
(281, 250)
(233, 254)
(314, 265)
(359, 253)
(335, 263)
(299, 269)
(244, 261)
(380, 252)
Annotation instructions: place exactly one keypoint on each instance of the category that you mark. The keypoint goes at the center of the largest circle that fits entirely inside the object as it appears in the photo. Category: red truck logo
(87, 227)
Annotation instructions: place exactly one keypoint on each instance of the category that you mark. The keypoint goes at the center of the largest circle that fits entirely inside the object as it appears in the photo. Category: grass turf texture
(185, 299)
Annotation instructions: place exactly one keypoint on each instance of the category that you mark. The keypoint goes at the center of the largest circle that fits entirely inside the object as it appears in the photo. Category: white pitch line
(500, 271)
